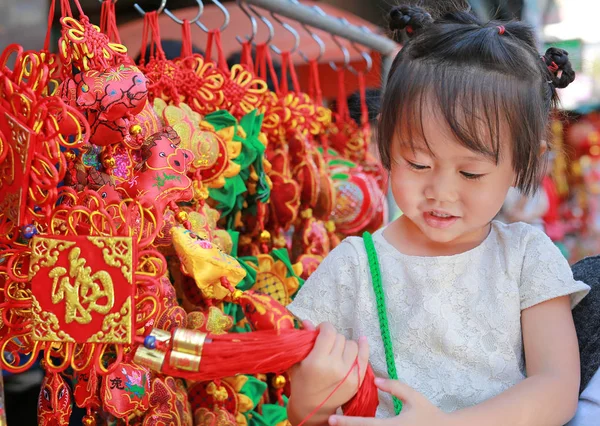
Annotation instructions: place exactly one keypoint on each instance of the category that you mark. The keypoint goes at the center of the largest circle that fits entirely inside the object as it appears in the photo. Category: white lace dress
(455, 321)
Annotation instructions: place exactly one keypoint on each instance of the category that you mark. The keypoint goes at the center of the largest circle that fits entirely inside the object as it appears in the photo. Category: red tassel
(263, 352)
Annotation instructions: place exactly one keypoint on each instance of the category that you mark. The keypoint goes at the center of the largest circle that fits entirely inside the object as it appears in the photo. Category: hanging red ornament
(55, 401)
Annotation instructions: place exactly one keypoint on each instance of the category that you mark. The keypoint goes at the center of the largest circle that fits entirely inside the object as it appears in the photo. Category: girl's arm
(549, 394)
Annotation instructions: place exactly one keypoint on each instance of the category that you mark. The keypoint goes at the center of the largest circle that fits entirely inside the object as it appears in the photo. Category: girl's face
(448, 194)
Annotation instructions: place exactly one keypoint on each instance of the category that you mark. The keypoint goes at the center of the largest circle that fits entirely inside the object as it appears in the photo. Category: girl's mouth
(440, 220)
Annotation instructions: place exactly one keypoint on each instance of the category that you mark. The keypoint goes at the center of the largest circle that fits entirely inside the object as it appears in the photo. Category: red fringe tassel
(263, 352)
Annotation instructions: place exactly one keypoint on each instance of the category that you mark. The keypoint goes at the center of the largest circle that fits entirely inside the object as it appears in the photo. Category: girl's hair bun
(557, 61)
(409, 18)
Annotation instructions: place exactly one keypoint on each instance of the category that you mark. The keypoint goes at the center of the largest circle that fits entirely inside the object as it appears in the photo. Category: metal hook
(365, 54)
(346, 53)
(343, 48)
(225, 13)
(315, 37)
(196, 18)
(252, 22)
(291, 30)
(265, 21)
(163, 4)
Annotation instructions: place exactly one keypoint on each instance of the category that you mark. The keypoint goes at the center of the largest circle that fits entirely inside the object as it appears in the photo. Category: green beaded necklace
(382, 313)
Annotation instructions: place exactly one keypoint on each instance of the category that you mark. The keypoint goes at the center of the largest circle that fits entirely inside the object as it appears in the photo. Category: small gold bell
(236, 295)
(70, 155)
(201, 193)
(306, 214)
(88, 421)
(330, 226)
(265, 236)
(182, 216)
(109, 163)
(220, 394)
(279, 382)
(135, 130)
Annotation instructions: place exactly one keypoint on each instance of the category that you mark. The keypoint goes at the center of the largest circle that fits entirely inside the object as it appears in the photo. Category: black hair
(481, 77)
(373, 101)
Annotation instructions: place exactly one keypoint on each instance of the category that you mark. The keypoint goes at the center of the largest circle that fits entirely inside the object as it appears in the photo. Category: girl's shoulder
(349, 254)
(521, 236)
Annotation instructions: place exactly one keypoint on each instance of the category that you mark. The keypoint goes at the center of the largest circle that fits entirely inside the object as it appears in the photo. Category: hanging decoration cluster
(156, 219)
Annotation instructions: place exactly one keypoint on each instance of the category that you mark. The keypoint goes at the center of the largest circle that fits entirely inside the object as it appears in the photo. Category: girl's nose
(442, 189)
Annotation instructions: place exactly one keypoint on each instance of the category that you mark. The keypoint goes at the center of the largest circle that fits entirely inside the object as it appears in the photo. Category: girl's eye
(471, 176)
(417, 166)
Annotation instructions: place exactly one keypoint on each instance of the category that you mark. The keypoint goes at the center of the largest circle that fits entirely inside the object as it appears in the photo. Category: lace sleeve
(546, 274)
(329, 294)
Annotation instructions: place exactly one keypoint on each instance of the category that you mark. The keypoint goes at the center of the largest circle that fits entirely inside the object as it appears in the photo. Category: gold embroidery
(117, 252)
(45, 325)
(85, 289)
(7, 167)
(218, 323)
(45, 252)
(10, 205)
(116, 327)
(20, 136)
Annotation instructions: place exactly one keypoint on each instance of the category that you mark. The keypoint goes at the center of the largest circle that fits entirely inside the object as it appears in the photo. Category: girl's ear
(543, 147)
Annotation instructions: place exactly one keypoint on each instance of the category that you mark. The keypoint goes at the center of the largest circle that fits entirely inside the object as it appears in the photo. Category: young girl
(474, 316)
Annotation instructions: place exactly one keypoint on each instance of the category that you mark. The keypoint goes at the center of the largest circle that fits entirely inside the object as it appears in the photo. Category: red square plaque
(82, 289)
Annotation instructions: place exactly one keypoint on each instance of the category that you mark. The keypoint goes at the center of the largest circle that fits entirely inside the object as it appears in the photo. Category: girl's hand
(314, 379)
(416, 411)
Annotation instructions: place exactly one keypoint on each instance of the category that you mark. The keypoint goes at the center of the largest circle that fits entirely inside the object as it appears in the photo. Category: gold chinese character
(84, 291)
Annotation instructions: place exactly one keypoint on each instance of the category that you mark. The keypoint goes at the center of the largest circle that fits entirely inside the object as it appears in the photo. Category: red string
(108, 21)
(151, 34)
(263, 59)
(50, 21)
(272, 70)
(156, 38)
(260, 62)
(283, 84)
(314, 82)
(145, 31)
(215, 36)
(316, 410)
(364, 110)
(65, 7)
(294, 75)
(65, 10)
(247, 54)
(287, 64)
(104, 18)
(78, 5)
(342, 105)
(186, 39)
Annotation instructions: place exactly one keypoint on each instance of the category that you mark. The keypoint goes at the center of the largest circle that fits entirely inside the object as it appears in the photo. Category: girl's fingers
(338, 348)
(350, 353)
(400, 390)
(325, 341)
